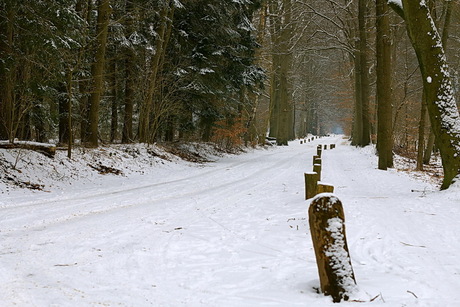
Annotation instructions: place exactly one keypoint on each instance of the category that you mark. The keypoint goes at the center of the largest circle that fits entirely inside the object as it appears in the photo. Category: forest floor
(136, 226)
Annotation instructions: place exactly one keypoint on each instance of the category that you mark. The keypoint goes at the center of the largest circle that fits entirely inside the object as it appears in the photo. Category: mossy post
(327, 227)
(311, 181)
(317, 160)
(314, 158)
(317, 169)
(324, 188)
(319, 151)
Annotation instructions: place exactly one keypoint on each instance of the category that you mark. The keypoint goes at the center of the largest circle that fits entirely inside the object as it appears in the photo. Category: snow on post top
(396, 2)
(332, 199)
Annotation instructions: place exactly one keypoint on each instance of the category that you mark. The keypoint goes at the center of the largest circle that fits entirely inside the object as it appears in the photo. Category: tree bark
(282, 58)
(441, 105)
(275, 29)
(7, 76)
(444, 40)
(365, 87)
(63, 101)
(144, 120)
(84, 8)
(130, 67)
(115, 97)
(362, 71)
(97, 69)
(429, 148)
(421, 135)
(358, 109)
(384, 103)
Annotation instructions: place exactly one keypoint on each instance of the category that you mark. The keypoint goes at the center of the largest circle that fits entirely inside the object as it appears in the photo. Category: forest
(92, 72)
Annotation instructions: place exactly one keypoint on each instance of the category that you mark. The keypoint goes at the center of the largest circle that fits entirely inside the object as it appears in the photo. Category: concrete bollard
(327, 227)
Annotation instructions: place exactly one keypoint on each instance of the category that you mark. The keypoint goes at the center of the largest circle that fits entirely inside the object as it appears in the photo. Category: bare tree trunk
(97, 69)
(280, 92)
(84, 7)
(444, 40)
(69, 88)
(384, 102)
(144, 120)
(127, 134)
(421, 135)
(114, 109)
(7, 78)
(429, 148)
(63, 101)
(275, 29)
(441, 104)
(251, 122)
(357, 133)
(363, 74)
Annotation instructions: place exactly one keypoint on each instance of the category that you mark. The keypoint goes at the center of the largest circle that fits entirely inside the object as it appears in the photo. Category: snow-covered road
(231, 233)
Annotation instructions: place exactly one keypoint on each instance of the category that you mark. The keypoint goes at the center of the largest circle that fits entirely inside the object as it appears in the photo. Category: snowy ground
(233, 232)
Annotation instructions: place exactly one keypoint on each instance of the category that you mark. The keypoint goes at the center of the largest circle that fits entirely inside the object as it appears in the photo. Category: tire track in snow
(81, 207)
(61, 198)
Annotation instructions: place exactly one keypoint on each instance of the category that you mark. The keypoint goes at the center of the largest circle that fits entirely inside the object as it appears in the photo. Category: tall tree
(130, 73)
(280, 94)
(441, 105)
(361, 124)
(165, 19)
(97, 69)
(384, 101)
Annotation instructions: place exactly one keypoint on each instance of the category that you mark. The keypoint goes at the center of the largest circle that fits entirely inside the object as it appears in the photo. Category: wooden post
(301, 142)
(327, 227)
(314, 158)
(311, 180)
(325, 147)
(317, 160)
(324, 188)
(332, 146)
(317, 169)
(319, 151)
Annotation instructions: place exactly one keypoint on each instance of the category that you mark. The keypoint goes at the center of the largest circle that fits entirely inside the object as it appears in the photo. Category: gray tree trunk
(384, 102)
(441, 105)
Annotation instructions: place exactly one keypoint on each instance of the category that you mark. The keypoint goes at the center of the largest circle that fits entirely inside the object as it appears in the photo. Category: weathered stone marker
(311, 181)
(327, 227)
